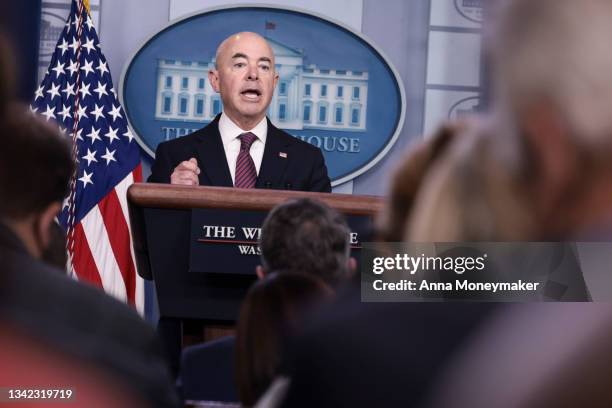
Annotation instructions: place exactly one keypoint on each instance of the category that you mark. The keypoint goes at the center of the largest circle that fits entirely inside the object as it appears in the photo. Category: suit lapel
(273, 164)
(212, 159)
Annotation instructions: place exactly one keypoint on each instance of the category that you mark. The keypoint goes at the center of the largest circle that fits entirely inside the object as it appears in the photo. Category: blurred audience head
(273, 312)
(408, 179)
(309, 237)
(552, 94)
(35, 168)
(469, 196)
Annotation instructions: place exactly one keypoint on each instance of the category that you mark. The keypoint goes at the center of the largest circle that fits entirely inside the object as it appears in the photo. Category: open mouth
(251, 93)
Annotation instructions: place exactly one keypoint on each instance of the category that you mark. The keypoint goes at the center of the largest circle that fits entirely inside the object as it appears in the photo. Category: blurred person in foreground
(379, 354)
(546, 150)
(64, 316)
(298, 236)
(550, 137)
(274, 311)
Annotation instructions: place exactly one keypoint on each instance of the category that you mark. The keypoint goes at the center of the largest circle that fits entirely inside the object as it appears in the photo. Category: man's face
(245, 77)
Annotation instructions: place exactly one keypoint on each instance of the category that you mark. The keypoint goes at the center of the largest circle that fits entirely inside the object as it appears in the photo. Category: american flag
(77, 92)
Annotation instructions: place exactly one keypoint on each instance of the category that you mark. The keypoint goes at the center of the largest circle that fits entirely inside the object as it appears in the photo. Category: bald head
(246, 36)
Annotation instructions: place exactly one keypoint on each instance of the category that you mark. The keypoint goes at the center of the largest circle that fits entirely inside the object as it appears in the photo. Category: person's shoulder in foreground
(81, 321)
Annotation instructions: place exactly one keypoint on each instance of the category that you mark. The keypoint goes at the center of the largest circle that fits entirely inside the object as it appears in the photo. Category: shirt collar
(230, 131)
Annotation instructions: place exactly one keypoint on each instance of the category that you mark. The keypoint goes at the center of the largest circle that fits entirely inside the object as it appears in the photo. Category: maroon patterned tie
(246, 174)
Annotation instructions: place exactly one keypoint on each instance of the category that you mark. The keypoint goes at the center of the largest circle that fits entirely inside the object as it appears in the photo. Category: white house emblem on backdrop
(306, 97)
(336, 89)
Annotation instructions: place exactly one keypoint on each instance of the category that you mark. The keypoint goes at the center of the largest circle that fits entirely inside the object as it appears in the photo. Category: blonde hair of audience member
(273, 311)
(468, 196)
(408, 178)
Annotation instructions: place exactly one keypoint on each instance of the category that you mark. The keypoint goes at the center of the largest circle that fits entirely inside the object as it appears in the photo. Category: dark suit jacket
(207, 371)
(82, 322)
(302, 169)
(376, 354)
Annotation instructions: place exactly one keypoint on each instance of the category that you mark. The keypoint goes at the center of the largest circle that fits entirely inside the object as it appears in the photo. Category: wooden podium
(163, 221)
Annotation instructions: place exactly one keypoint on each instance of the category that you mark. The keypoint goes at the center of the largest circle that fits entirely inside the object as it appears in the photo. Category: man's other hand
(186, 173)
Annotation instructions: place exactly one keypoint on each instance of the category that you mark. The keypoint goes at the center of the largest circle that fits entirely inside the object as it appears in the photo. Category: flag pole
(81, 4)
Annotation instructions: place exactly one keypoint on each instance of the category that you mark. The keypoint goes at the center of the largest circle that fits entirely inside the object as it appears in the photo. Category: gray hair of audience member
(554, 52)
(35, 164)
(306, 236)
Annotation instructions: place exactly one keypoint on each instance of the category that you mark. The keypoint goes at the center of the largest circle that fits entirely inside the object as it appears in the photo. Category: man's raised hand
(186, 173)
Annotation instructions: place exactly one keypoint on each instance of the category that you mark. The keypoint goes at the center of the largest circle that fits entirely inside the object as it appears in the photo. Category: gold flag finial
(86, 4)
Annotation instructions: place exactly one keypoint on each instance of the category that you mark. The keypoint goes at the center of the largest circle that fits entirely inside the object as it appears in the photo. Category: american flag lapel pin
(282, 154)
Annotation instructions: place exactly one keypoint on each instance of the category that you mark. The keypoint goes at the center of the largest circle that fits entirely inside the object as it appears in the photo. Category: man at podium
(241, 147)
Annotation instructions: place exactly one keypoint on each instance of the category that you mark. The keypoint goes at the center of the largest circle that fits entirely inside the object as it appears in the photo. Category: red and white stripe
(103, 253)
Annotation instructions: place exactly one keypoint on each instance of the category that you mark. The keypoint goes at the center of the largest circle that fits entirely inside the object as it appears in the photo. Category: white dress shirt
(231, 143)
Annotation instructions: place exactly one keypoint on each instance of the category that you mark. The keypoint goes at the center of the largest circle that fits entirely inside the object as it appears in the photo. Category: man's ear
(43, 226)
(260, 271)
(213, 78)
(276, 77)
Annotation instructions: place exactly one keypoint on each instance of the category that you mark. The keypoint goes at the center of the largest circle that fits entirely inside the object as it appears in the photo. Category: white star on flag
(68, 90)
(90, 156)
(72, 67)
(101, 90)
(65, 112)
(81, 112)
(63, 46)
(59, 69)
(84, 90)
(102, 68)
(39, 93)
(54, 91)
(109, 156)
(89, 22)
(129, 135)
(74, 45)
(93, 135)
(98, 111)
(115, 112)
(50, 113)
(87, 67)
(112, 135)
(89, 45)
(86, 178)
